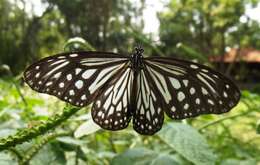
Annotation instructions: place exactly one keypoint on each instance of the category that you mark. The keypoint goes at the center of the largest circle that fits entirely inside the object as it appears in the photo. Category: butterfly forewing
(189, 89)
(112, 110)
(148, 116)
(74, 77)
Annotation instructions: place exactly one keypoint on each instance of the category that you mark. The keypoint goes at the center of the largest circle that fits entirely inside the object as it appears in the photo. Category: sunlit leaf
(142, 156)
(188, 142)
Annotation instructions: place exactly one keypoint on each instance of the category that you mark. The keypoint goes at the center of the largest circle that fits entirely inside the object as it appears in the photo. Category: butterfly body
(122, 88)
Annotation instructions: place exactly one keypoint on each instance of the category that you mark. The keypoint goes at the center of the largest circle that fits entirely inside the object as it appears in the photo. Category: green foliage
(214, 24)
(52, 134)
(142, 156)
(186, 141)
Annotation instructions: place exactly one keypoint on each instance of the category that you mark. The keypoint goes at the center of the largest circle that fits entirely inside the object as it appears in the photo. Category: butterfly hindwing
(189, 89)
(112, 110)
(148, 116)
(74, 77)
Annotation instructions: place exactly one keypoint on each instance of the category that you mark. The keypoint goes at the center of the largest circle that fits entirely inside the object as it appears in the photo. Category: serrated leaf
(187, 141)
(142, 156)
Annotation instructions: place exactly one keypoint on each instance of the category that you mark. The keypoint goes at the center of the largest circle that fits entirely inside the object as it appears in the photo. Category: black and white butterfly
(124, 87)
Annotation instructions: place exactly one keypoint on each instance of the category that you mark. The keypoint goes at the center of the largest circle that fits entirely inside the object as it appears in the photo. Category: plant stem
(36, 148)
(16, 153)
(27, 134)
(225, 118)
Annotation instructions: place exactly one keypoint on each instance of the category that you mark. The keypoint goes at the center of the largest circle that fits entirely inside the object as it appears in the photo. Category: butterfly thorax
(137, 59)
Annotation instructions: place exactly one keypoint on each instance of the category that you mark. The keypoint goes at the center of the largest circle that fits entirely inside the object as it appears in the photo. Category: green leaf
(51, 155)
(142, 156)
(6, 159)
(187, 141)
(240, 162)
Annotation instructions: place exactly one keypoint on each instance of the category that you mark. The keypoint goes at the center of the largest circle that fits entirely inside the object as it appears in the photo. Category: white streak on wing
(119, 107)
(205, 75)
(119, 88)
(152, 107)
(154, 98)
(108, 101)
(139, 101)
(99, 61)
(56, 68)
(57, 75)
(129, 85)
(206, 82)
(146, 84)
(125, 100)
(170, 68)
(148, 115)
(88, 73)
(163, 88)
(57, 62)
(145, 95)
(111, 110)
(108, 90)
(103, 77)
(142, 110)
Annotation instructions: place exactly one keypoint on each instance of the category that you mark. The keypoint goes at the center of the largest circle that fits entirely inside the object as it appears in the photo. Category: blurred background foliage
(188, 29)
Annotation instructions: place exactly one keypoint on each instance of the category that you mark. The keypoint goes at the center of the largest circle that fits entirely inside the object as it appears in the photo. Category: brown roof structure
(248, 55)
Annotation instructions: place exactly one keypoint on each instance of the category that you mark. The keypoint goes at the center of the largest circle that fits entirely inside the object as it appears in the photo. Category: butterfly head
(137, 58)
(139, 50)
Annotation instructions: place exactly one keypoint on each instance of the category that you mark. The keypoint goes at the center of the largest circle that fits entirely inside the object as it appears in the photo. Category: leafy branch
(27, 134)
(35, 149)
(252, 109)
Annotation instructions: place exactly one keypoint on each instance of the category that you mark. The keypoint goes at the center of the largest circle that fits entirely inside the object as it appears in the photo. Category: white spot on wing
(181, 96)
(173, 109)
(194, 66)
(175, 83)
(57, 75)
(83, 97)
(61, 85)
(185, 82)
(77, 70)
(197, 101)
(69, 77)
(74, 55)
(37, 75)
(79, 84)
(49, 83)
(192, 90)
(71, 92)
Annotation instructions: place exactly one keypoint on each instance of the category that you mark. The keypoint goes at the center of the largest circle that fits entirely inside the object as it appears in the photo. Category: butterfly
(123, 87)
